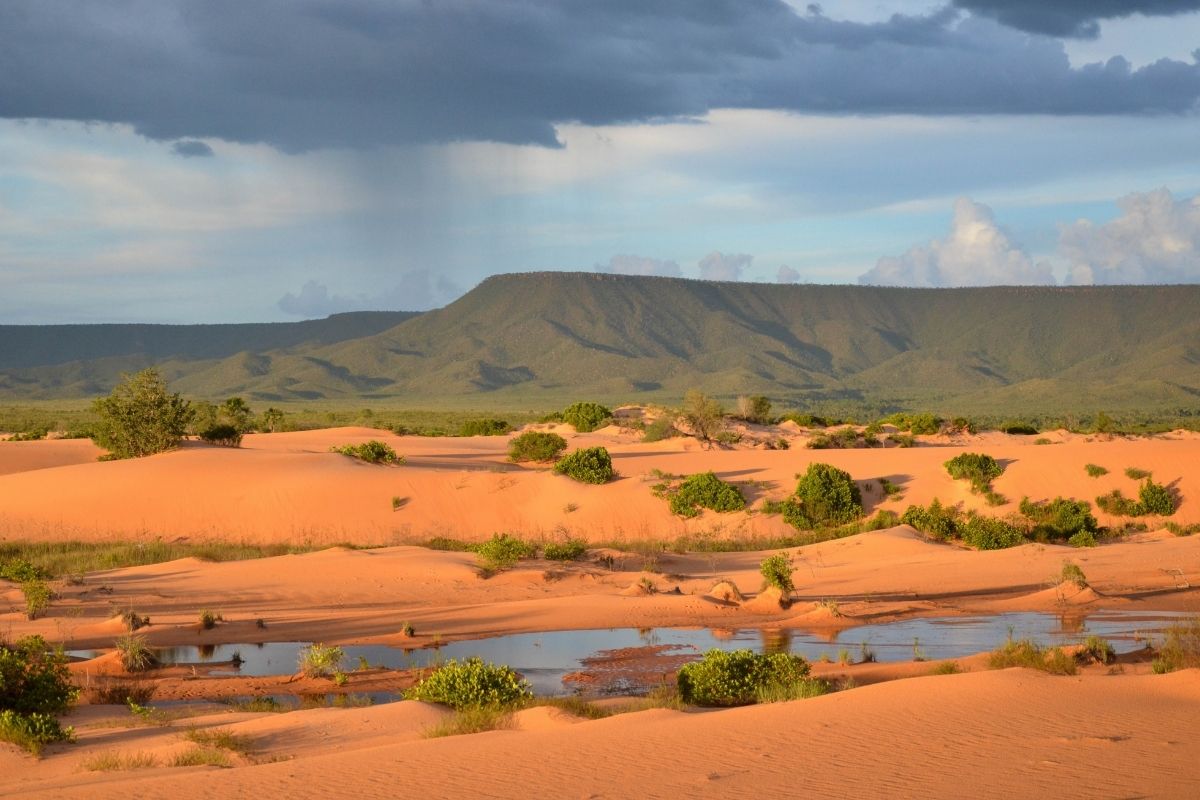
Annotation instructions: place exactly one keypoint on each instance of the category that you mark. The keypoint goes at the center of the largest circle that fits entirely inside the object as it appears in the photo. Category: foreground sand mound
(543, 718)
(638, 589)
(769, 601)
(726, 592)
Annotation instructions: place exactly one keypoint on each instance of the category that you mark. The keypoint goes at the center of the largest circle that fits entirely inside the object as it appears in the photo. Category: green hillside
(544, 337)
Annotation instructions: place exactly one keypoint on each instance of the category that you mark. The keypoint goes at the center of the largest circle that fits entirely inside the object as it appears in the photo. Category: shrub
(503, 551)
(570, 550)
(1059, 518)
(373, 452)
(1183, 530)
(1181, 647)
(586, 417)
(37, 597)
(320, 661)
(588, 465)
(470, 720)
(1083, 539)
(703, 415)
(34, 678)
(209, 619)
(1136, 474)
(924, 424)
(1018, 428)
(223, 435)
(977, 468)
(1155, 499)
(487, 426)
(936, 521)
(902, 440)
(536, 446)
(1095, 470)
(1071, 573)
(1025, 653)
(140, 418)
(32, 731)
(136, 655)
(805, 420)
(18, 570)
(825, 495)
(662, 427)
(753, 408)
(989, 533)
(739, 677)
(472, 683)
(777, 571)
(1098, 649)
(705, 490)
(1118, 504)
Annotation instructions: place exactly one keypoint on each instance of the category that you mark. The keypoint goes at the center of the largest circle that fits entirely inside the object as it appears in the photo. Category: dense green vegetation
(586, 417)
(141, 417)
(825, 495)
(372, 452)
(536, 446)
(472, 683)
(587, 465)
(742, 677)
(35, 685)
(703, 490)
(842, 351)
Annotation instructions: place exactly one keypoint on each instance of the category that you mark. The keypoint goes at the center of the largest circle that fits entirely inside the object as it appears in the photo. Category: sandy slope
(993, 734)
(289, 487)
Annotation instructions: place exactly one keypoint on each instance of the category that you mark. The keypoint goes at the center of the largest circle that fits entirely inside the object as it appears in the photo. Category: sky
(185, 161)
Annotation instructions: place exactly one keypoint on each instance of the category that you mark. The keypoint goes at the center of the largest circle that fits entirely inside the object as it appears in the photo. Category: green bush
(989, 533)
(1095, 470)
(503, 551)
(472, 683)
(1118, 504)
(1181, 647)
(753, 408)
(140, 417)
(1083, 539)
(37, 597)
(32, 732)
(825, 495)
(536, 446)
(320, 660)
(662, 427)
(18, 570)
(740, 677)
(805, 420)
(223, 435)
(1059, 518)
(570, 550)
(588, 465)
(1025, 653)
(937, 521)
(777, 571)
(487, 426)
(586, 417)
(373, 452)
(34, 678)
(977, 468)
(135, 653)
(703, 414)
(1073, 574)
(705, 490)
(1155, 499)
(924, 424)
(1018, 428)
(1136, 474)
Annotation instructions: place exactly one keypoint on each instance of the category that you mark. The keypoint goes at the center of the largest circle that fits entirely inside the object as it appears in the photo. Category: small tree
(825, 495)
(272, 419)
(235, 412)
(140, 417)
(754, 408)
(586, 417)
(703, 415)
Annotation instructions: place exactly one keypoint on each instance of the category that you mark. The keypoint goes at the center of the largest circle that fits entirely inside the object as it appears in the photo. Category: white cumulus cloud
(977, 252)
(718, 266)
(1156, 239)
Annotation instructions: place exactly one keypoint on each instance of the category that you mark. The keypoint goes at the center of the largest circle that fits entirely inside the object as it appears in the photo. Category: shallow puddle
(546, 658)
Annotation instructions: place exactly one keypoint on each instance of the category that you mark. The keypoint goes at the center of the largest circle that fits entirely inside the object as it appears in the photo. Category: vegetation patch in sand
(688, 496)
(587, 465)
(1180, 648)
(586, 417)
(372, 452)
(473, 683)
(1029, 654)
(114, 761)
(742, 677)
(135, 653)
(538, 446)
(824, 496)
(35, 685)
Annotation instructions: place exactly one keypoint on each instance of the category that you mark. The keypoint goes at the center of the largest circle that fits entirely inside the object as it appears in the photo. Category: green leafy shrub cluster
(1095, 470)
(488, 426)
(977, 468)
(777, 571)
(663, 427)
(1059, 518)
(917, 424)
(586, 417)
(825, 495)
(805, 420)
(935, 520)
(587, 465)
(34, 686)
(536, 446)
(373, 452)
(38, 595)
(704, 490)
(140, 418)
(135, 653)
(502, 551)
(990, 533)
(18, 570)
(741, 677)
(472, 683)
(320, 660)
(1153, 499)
(1134, 473)
(1180, 648)
(1029, 654)
(222, 434)
(569, 550)
(1018, 428)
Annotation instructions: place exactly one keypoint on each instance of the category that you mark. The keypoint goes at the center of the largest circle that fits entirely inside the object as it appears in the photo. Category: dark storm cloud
(304, 74)
(1073, 18)
(191, 148)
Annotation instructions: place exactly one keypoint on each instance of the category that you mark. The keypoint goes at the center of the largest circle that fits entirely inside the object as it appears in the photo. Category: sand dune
(288, 487)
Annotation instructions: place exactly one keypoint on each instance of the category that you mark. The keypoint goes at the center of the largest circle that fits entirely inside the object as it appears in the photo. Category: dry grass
(114, 761)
